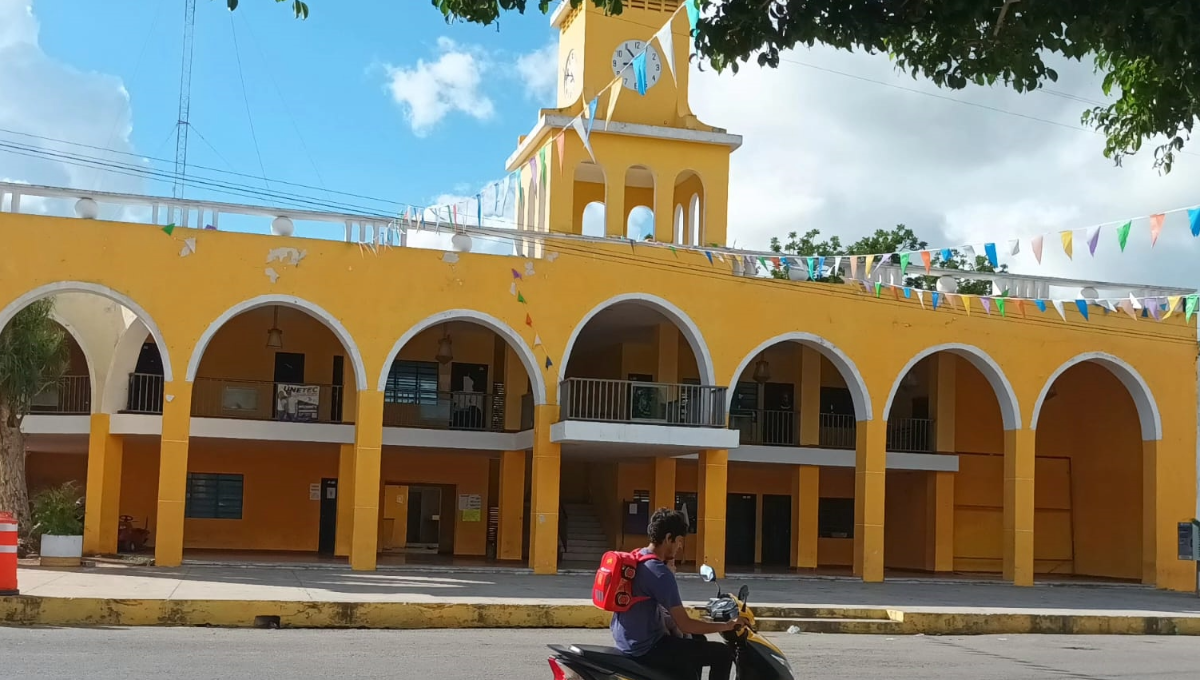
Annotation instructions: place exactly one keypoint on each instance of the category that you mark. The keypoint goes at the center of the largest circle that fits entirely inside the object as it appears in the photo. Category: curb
(85, 612)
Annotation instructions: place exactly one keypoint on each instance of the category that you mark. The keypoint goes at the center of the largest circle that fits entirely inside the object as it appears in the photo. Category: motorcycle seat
(611, 657)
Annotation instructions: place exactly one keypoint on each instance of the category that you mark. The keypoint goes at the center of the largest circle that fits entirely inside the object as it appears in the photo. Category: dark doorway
(468, 392)
(777, 531)
(289, 368)
(146, 382)
(779, 414)
(328, 534)
(741, 529)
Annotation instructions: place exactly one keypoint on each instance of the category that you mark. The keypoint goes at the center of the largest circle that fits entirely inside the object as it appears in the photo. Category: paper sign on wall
(314, 492)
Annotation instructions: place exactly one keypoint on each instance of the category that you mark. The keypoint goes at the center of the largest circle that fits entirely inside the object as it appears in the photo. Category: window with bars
(214, 496)
(412, 382)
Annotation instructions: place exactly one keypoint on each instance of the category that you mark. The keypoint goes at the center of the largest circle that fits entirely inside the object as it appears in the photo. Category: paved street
(201, 654)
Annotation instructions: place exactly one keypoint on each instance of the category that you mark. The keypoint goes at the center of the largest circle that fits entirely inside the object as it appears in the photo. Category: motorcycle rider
(641, 633)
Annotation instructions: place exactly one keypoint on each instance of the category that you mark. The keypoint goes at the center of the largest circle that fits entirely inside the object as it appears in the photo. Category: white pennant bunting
(837, 266)
(578, 125)
(921, 297)
(1136, 305)
(667, 41)
(1014, 246)
(1058, 307)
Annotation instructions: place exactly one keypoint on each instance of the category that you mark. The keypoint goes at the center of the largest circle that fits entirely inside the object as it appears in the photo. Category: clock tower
(649, 168)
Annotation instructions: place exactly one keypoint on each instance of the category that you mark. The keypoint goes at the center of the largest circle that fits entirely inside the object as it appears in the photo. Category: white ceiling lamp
(274, 334)
(445, 350)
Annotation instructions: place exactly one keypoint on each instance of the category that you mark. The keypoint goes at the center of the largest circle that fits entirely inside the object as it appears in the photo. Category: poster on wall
(470, 507)
(297, 403)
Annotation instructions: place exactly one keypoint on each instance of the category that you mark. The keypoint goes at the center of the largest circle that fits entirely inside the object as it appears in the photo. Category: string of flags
(519, 277)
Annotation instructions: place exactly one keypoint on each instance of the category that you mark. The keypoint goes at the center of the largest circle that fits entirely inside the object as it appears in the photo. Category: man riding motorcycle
(641, 633)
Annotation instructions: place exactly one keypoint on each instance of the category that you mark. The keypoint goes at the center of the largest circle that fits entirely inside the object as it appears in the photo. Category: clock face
(572, 83)
(623, 58)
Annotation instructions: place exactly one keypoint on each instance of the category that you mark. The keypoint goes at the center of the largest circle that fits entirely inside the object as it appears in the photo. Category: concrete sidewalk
(197, 595)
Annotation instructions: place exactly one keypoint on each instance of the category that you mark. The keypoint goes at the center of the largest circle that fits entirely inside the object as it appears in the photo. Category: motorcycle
(754, 656)
(130, 539)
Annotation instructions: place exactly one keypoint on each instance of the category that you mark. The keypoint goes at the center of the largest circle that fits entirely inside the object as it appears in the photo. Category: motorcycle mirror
(743, 593)
(707, 573)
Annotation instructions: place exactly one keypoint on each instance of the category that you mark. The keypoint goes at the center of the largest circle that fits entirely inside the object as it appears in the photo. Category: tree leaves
(33, 356)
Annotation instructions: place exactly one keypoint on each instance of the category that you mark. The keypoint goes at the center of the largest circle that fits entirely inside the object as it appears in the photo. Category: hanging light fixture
(762, 370)
(445, 351)
(274, 334)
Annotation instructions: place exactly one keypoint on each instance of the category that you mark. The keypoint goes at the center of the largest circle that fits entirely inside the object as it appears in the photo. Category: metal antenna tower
(185, 98)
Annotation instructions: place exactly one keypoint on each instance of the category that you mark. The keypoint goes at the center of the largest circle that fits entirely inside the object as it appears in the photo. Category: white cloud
(430, 91)
(50, 99)
(846, 156)
(538, 70)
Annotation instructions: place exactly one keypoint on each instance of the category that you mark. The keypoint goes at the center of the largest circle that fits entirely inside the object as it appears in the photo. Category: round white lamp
(283, 226)
(87, 208)
(1089, 293)
(798, 273)
(461, 242)
(947, 284)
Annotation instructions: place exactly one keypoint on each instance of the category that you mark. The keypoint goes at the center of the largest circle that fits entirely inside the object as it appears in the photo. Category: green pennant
(763, 262)
(542, 163)
(674, 251)
(169, 229)
(520, 297)
(878, 289)
(904, 262)
(1123, 234)
(1190, 306)
(1000, 305)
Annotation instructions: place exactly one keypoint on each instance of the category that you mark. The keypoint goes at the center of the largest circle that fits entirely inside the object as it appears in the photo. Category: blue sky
(390, 102)
(317, 90)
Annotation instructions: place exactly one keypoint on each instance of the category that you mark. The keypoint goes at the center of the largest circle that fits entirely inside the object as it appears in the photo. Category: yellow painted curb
(52, 611)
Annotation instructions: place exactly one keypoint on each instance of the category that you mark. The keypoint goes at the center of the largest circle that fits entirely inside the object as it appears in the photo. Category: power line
(237, 52)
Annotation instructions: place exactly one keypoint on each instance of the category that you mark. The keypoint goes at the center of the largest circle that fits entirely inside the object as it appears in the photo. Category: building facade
(238, 393)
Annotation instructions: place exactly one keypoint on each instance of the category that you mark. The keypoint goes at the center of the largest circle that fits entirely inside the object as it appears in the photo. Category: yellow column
(560, 194)
(368, 451)
(712, 499)
(1149, 514)
(810, 396)
(869, 474)
(939, 554)
(172, 473)
(547, 463)
(664, 208)
(345, 501)
(667, 336)
(715, 204)
(103, 512)
(1019, 460)
(939, 543)
(663, 495)
(512, 505)
(804, 516)
(614, 203)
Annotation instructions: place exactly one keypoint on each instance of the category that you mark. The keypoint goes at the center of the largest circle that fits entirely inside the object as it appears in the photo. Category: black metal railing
(766, 427)
(910, 435)
(262, 400)
(627, 401)
(442, 411)
(70, 395)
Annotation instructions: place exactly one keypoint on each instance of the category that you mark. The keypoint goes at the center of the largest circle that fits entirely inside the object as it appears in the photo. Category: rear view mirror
(707, 573)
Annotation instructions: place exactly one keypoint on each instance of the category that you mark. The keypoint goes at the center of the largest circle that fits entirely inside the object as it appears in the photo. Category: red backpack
(613, 588)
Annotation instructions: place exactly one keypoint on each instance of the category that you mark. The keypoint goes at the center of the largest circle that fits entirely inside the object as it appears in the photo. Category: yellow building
(246, 394)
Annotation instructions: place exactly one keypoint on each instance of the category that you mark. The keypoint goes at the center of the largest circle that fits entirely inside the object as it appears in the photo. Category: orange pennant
(561, 142)
(1156, 225)
(529, 321)
(927, 258)
(1020, 306)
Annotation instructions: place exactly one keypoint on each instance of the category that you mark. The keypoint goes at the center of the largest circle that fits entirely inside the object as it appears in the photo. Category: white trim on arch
(1010, 411)
(95, 385)
(514, 340)
(689, 329)
(59, 287)
(1148, 414)
(843, 363)
(331, 322)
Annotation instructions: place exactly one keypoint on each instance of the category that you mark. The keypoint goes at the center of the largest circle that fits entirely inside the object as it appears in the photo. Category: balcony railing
(838, 431)
(627, 401)
(259, 400)
(443, 411)
(910, 435)
(145, 394)
(765, 427)
(70, 395)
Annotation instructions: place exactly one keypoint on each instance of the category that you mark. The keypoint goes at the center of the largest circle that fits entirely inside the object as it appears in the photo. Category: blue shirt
(637, 630)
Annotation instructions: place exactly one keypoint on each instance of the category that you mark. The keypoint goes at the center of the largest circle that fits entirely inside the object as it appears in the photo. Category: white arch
(94, 384)
(331, 322)
(124, 361)
(514, 340)
(844, 364)
(1010, 412)
(58, 287)
(1143, 398)
(689, 329)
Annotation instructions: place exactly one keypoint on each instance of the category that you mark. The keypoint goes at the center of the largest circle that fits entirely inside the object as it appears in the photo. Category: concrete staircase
(585, 538)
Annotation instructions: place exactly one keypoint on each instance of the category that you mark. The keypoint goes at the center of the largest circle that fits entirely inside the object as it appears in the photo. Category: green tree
(1146, 48)
(883, 241)
(33, 356)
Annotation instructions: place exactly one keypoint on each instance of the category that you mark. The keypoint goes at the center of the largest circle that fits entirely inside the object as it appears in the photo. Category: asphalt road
(203, 654)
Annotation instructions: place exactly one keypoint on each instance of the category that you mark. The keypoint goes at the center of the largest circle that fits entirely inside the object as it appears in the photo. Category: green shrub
(58, 511)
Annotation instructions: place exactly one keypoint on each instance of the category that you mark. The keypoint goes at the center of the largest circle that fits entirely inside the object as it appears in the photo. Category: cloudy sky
(403, 108)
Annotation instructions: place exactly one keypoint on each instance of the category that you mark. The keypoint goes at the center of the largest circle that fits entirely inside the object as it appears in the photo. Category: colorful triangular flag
(1156, 225)
(1068, 243)
(1037, 242)
(1123, 234)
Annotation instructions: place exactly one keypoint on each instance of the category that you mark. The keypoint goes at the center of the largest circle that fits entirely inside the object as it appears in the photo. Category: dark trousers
(684, 657)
